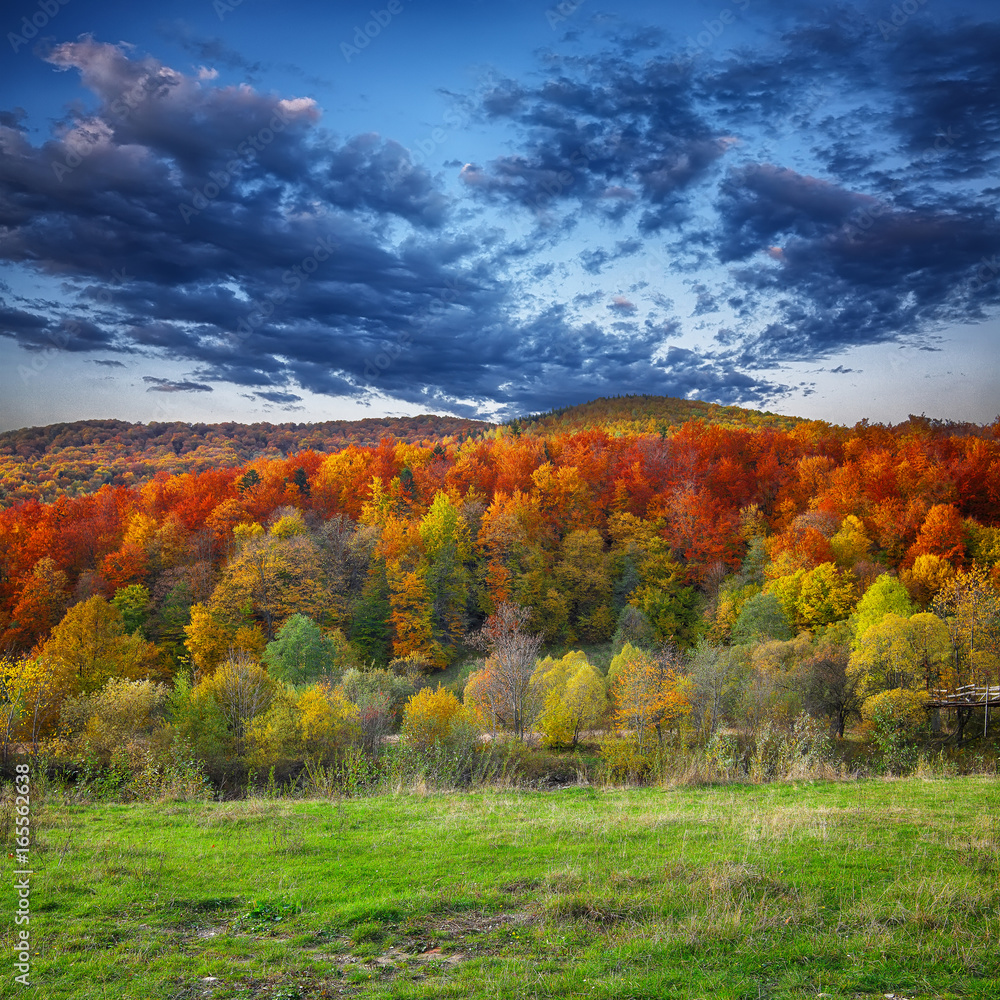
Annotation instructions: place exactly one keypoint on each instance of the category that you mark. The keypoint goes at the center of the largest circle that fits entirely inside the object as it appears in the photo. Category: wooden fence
(965, 700)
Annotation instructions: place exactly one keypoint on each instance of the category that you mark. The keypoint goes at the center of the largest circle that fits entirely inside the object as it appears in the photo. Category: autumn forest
(639, 575)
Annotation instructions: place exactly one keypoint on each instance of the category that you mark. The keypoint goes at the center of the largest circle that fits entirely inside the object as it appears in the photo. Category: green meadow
(839, 889)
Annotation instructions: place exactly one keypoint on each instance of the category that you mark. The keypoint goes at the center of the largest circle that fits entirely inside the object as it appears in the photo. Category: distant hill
(641, 414)
(74, 458)
(71, 459)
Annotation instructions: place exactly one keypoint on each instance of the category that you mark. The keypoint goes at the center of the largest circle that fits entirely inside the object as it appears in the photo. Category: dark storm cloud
(602, 132)
(368, 172)
(220, 226)
(760, 201)
(34, 331)
(946, 99)
(885, 240)
(19, 324)
(166, 385)
(278, 397)
(840, 280)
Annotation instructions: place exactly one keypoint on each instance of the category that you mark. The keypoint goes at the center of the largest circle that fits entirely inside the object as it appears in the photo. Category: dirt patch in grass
(521, 886)
(596, 911)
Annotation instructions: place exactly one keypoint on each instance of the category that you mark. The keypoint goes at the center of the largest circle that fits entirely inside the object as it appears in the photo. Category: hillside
(75, 458)
(641, 414)
(72, 459)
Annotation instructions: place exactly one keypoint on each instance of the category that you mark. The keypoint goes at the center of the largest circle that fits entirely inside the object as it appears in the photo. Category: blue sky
(266, 211)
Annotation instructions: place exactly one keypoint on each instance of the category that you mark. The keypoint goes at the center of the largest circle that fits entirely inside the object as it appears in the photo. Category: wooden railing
(964, 700)
(967, 696)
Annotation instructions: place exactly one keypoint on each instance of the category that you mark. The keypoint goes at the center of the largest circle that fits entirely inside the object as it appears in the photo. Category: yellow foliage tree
(89, 646)
(897, 652)
(430, 716)
(242, 690)
(970, 604)
(328, 720)
(31, 694)
(932, 650)
(116, 715)
(314, 725)
(411, 615)
(926, 578)
(850, 544)
(447, 546)
(582, 572)
(573, 697)
(272, 576)
(827, 596)
(210, 639)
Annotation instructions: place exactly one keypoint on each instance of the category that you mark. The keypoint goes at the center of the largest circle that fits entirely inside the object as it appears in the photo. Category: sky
(255, 210)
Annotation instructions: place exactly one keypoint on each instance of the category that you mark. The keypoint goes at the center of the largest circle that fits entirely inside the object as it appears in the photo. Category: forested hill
(641, 414)
(400, 549)
(75, 458)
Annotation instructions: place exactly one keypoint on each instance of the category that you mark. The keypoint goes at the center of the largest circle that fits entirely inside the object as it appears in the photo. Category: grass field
(823, 889)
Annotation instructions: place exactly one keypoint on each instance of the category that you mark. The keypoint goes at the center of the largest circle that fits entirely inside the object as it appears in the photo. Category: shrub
(625, 759)
(316, 725)
(429, 716)
(899, 708)
(243, 690)
(114, 716)
(894, 717)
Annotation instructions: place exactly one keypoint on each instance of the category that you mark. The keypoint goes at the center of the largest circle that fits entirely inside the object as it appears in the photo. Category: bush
(114, 716)
(316, 724)
(243, 690)
(627, 760)
(899, 708)
(894, 718)
(429, 716)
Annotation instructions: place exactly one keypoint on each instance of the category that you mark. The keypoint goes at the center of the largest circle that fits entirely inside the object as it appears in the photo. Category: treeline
(644, 414)
(75, 458)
